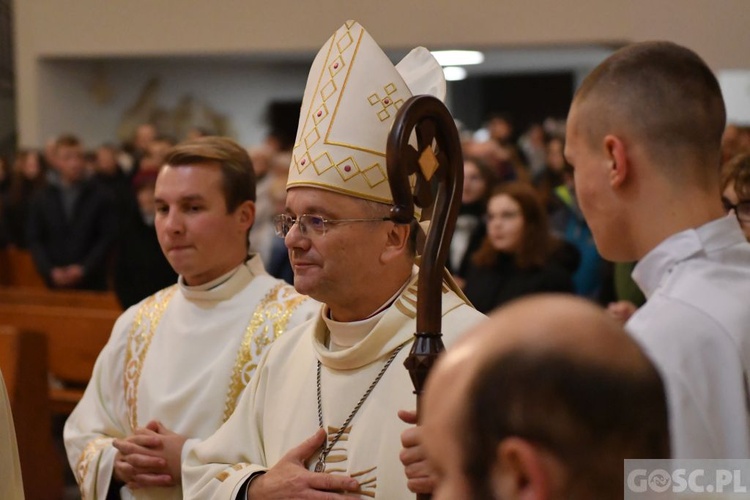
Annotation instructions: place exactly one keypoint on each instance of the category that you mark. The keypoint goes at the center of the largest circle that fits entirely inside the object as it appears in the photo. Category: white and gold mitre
(352, 95)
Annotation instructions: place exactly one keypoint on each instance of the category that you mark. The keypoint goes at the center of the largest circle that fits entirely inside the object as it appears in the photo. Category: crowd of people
(87, 216)
(199, 395)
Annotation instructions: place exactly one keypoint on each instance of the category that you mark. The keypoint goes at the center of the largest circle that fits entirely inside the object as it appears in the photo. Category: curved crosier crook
(438, 165)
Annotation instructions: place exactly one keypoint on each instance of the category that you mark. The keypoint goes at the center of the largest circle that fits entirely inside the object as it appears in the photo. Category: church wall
(52, 30)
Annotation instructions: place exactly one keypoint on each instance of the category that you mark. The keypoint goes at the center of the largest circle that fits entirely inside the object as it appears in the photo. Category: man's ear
(523, 471)
(246, 213)
(619, 160)
(397, 241)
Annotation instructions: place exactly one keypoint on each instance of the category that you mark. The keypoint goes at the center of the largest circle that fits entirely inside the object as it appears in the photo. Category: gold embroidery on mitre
(90, 451)
(357, 159)
(147, 319)
(323, 163)
(268, 322)
(374, 175)
(387, 105)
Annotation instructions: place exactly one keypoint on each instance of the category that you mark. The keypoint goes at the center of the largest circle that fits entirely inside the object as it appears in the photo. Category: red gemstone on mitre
(303, 161)
(320, 113)
(386, 101)
(335, 65)
(347, 168)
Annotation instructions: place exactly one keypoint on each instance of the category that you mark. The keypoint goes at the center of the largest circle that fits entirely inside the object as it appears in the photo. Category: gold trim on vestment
(266, 325)
(92, 450)
(139, 339)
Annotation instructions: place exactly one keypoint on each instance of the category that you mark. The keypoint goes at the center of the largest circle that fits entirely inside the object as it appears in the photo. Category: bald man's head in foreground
(545, 399)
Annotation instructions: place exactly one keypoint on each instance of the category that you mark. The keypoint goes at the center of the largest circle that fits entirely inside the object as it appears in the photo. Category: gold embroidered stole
(147, 318)
(268, 321)
(266, 325)
(90, 452)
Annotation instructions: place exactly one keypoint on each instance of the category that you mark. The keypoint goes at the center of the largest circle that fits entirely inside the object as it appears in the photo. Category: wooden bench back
(17, 268)
(62, 298)
(75, 335)
(23, 361)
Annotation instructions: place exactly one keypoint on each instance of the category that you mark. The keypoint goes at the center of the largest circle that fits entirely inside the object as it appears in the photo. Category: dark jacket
(141, 268)
(490, 287)
(85, 238)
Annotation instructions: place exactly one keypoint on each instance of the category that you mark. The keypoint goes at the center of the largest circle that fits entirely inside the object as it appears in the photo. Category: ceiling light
(458, 57)
(454, 73)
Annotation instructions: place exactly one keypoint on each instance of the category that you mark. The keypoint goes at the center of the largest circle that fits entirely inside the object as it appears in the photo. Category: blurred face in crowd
(555, 158)
(106, 162)
(505, 223)
(729, 197)
(70, 163)
(144, 135)
(30, 168)
(146, 199)
(500, 129)
(475, 185)
(155, 154)
(201, 240)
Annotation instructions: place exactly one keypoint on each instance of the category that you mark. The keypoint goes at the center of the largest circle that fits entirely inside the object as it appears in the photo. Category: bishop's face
(338, 267)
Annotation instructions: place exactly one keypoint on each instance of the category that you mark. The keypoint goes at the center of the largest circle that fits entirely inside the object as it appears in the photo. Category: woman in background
(479, 181)
(736, 190)
(519, 255)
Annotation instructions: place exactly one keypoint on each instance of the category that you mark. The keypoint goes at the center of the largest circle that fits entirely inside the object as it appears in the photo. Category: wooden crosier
(437, 164)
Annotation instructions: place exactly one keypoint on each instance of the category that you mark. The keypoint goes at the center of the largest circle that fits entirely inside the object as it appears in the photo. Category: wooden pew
(61, 298)
(17, 268)
(75, 336)
(23, 361)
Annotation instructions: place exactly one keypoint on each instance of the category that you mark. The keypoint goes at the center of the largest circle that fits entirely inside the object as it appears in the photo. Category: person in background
(627, 297)
(479, 180)
(735, 189)
(543, 400)
(568, 223)
(552, 175)
(177, 361)
(533, 145)
(110, 177)
(141, 268)
(72, 224)
(519, 255)
(734, 141)
(153, 156)
(647, 180)
(27, 178)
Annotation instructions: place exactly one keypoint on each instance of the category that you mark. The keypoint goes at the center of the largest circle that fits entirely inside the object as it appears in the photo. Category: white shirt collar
(714, 235)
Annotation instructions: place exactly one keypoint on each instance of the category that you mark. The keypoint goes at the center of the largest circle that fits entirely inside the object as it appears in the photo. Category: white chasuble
(181, 356)
(279, 409)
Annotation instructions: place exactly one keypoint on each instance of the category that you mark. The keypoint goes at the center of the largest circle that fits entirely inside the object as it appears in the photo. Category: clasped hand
(150, 457)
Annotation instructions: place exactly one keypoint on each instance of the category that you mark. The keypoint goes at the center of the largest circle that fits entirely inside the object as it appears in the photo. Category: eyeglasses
(283, 223)
(741, 209)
